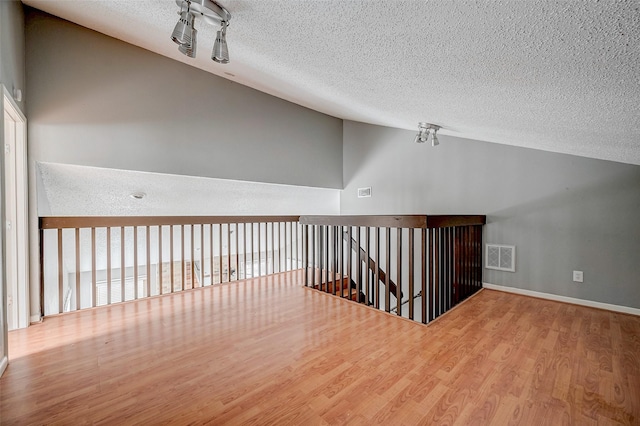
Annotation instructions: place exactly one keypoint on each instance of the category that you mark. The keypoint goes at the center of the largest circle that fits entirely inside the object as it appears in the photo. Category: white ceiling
(561, 76)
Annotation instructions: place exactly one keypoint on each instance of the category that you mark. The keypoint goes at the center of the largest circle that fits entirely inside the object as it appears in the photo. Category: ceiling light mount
(185, 34)
(426, 129)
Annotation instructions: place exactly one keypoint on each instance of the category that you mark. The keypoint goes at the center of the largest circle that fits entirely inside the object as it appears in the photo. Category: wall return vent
(500, 257)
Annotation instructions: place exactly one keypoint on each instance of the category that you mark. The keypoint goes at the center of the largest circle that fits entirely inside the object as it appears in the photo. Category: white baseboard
(565, 299)
(3, 364)
(35, 319)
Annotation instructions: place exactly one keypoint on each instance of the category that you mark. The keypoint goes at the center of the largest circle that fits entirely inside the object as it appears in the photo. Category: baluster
(423, 284)
(78, 301)
(399, 273)
(376, 280)
(93, 267)
(60, 273)
(108, 265)
(411, 272)
(387, 265)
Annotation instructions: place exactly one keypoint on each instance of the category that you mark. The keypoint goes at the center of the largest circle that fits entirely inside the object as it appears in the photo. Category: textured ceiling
(561, 76)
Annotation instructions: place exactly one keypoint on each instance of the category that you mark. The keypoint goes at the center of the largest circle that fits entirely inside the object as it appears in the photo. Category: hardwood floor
(268, 351)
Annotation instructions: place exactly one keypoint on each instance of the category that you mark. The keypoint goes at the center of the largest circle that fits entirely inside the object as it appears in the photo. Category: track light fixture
(426, 129)
(185, 34)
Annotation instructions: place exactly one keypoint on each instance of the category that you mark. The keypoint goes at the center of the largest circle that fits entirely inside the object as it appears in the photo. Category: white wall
(563, 212)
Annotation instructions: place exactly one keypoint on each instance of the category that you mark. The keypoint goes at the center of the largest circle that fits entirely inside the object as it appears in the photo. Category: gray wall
(563, 212)
(12, 62)
(98, 101)
(12, 75)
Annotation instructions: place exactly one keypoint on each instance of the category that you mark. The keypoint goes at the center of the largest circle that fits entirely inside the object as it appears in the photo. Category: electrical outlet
(578, 276)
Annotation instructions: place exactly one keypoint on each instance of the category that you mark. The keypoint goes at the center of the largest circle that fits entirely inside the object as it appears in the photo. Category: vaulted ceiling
(561, 76)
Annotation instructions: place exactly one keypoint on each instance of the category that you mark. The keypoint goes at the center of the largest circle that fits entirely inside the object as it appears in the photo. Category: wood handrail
(61, 222)
(399, 221)
(371, 264)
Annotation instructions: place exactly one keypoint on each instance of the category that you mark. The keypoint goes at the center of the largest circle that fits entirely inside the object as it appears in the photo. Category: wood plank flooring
(268, 351)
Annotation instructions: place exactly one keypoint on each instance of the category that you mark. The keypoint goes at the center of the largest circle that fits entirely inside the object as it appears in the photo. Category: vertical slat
(123, 266)
(60, 273)
(423, 283)
(259, 251)
(108, 265)
(252, 251)
(430, 273)
(349, 255)
(326, 256)
(296, 225)
(93, 267)
(228, 252)
(192, 258)
(273, 250)
(436, 275)
(334, 274)
(77, 290)
(457, 268)
(313, 255)
(465, 258)
(305, 254)
(160, 268)
(399, 273)
(279, 248)
(182, 264)
(387, 290)
(367, 270)
(237, 252)
(41, 267)
(411, 272)
(135, 262)
(211, 253)
(244, 249)
(479, 256)
(148, 261)
(376, 279)
(341, 260)
(171, 266)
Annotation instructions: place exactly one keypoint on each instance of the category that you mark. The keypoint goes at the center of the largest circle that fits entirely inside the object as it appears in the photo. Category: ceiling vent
(500, 257)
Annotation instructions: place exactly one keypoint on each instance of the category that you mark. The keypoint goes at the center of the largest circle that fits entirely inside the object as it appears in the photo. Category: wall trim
(3, 364)
(35, 319)
(565, 299)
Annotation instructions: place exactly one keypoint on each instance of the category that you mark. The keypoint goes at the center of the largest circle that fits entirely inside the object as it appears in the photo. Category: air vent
(364, 192)
(501, 257)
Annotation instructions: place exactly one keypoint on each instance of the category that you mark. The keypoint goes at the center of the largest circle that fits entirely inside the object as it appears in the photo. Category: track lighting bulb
(190, 49)
(220, 52)
(423, 133)
(434, 138)
(183, 29)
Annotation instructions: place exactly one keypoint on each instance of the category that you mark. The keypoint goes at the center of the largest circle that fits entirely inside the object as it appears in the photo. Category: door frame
(9, 106)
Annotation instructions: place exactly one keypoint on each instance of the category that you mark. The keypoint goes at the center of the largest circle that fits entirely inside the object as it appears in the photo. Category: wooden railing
(436, 261)
(92, 261)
